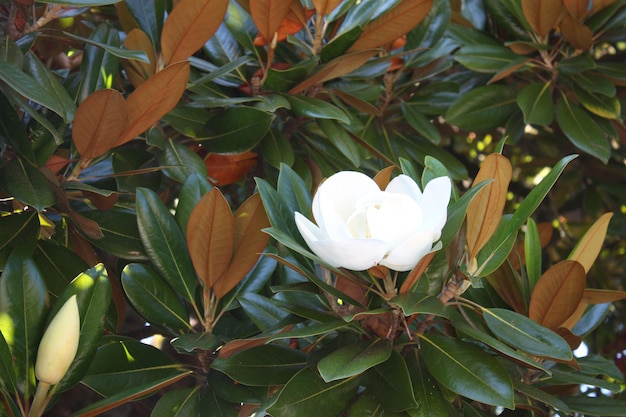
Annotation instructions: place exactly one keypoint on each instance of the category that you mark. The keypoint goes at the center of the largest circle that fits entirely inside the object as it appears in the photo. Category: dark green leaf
(135, 167)
(123, 364)
(276, 149)
(165, 243)
(599, 104)
(391, 384)
(366, 406)
(265, 314)
(592, 318)
(18, 229)
(569, 376)
(237, 129)
(316, 108)
(188, 120)
(486, 58)
(262, 365)
(581, 130)
(98, 66)
(121, 235)
(338, 136)
(225, 388)
(306, 394)
(532, 253)
(420, 303)
(149, 15)
(7, 367)
(598, 365)
(354, 359)
(535, 100)
(600, 406)
(183, 402)
(179, 162)
(81, 2)
(467, 370)
(294, 191)
(497, 249)
(23, 305)
(12, 132)
(282, 80)
(311, 330)
(483, 108)
(192, 190)
(153, 298)
(27, 184)
(420, 123)
(340, 44)
(425, 388)
(456, 214)
(190, 342)
(541, 395)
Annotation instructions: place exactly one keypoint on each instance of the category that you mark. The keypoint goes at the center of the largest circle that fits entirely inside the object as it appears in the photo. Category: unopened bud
(59, 344)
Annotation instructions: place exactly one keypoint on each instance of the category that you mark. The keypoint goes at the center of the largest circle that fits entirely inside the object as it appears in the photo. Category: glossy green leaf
(599, 365)
(179, 162)
(61, 264)
(235, 393)
(532, 253)
(499, 346)
(121, 235)
(306, 394)
(483, 108)
(590, 81)
(276, 149)
(340, 44)
(426, 390)
(524, 334)
(535, 100)
(391, 383)
(282, 80)
(608, 107)
(115, 50)
(600, 406)
(456, 214)
(7, 368)
(122, 364)
(316, 329)
(237, 129)
(190, 342)
(541, 395)
(27, 184)
(93, 292)
(581, 130)
(592, 318)
(467, 370)
(149, 15)
(421, 303)
(134, 167)
(366, 406)
(265, 314)
(153, 298)
(182, 402)
(338, 136)
(420, 123)
(12, 132)
(278, 211)
(294, 191)
(192, 190)
(486, 58)
(316, 108)
(188, 120)
(263, 365)
(98, 65)
(497, 249)
(353, 359)
(18, 229)
(23, 304)
(165, 244)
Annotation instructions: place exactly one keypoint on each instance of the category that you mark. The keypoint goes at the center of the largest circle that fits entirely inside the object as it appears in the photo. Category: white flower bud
(59, 344)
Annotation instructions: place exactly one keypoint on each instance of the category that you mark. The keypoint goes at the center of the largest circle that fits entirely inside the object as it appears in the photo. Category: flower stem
(41, 400)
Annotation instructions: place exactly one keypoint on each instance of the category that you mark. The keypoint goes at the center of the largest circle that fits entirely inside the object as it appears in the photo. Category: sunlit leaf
(353, 359)
(588, 248)
(100, 120)
(324, 7)
(542, 15)
(268, 14)
(189, 25)
(138, 71)
(557, 294)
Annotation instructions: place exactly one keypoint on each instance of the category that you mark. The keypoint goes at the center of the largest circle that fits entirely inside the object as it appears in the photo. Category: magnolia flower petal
(395, 219)
(407, 254)
(353, 254)
(309, 230)
(403, 184)
(434, 202)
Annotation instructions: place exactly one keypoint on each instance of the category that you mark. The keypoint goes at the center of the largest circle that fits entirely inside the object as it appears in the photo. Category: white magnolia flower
(360, 226)
(59, 344)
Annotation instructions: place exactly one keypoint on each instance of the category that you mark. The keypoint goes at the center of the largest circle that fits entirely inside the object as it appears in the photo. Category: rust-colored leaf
(190, 24)
(249, 241)
(293, 23)
(393, 24)
(518, 254)
(576, 315)
(572, 340)
(557, 294)
(600, 4)
(595, 296)
(577, 8)
(577, 34)
(416, 272)
(588, 248)
(358, 103)
(485, 210)
(355, 290)
(383, 177)
(268, 15)
(154, 98)
(227, 168)
(335, 68)
(139, 71)
(542, 15)
(239, 345)
(99, 121)
(505, 284)
(102, 202)
(324, 7)
(210, 237)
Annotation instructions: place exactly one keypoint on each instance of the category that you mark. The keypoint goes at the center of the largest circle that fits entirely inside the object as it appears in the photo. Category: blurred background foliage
(226, 91)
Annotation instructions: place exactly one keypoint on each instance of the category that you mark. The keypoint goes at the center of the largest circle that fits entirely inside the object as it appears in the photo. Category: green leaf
(93, 292)
(524, 334)
(264, 365)
(593, 317)
(179, 162)
(497, 249)
(190, 342)
(61, 264)
(295, 193)
(149, 15)
(340, 44)
(366, 406)
(467, 370)
(276, 149)
(153, 298)
(420, 123)
(391, 383)
(581, 130)
(223, 387)
(181, 402)
(338, 136)
(486, 58)
(23, 305)
(541, 395)
(7, 368)
(456, 214)
(165, 243)
(306, 394)
(18, 230)
(483, 108)
(188, 121)
(121, 235)
(421, 303)
(12, 132)
(316, 108)
(27, 184)
(600, 406)
(535, 101)
(354, 359)
(598, 365)
(282, 80)
(608, 107)
(135, 167)
(237, 129)
(192, 190)
(122, 364)
(48, 82)
(425, 388)
(309, 330)
(532, 253)
(264, 313)
(98, 65)
(575, 377)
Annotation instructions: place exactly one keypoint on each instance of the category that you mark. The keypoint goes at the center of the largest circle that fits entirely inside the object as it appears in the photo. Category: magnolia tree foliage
(162, 188)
